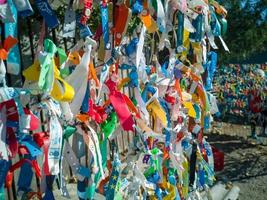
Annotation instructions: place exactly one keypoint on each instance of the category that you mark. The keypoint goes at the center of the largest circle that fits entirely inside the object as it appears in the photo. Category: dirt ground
(245, 160)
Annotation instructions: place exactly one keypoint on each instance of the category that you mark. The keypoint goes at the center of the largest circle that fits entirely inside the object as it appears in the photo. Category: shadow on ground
(243, 159)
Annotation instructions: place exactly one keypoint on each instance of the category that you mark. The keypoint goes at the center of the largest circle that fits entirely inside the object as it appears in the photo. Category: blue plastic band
(133, 75)
(49, 188)
(11, 29)
(211, 68)
(201, 175)
(197, 110)
(85, 172)
(215, 25)
(12, 124)
(148, 88)
(164, 105)
(32, 147)
(3, 171)
(23, 7)
(25, 175)
(131, 47)
(125, 66)
(180, 29)
(81, 187)
(47, 13)
(164, 68)
(206, 122)
(85, 104)
(137, 7)
(84, 29)
(198, 34)
(105, 29)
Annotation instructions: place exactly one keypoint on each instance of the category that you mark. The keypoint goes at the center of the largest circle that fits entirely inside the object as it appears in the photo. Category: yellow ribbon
(61, 90)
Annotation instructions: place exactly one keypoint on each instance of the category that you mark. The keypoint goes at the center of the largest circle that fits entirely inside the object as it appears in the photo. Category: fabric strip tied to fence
(119, 109)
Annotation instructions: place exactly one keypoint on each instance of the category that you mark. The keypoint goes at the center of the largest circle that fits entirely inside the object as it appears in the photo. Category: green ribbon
(68, 131)
(109, 125)
(62, 56)
(155, 155)
(90, 190)
(46, 78)
(151, 170)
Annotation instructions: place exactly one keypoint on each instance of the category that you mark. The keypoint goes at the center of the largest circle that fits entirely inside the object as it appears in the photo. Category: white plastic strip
(141, 104)
(224, 44)
(55, 145)
(99, 156)
(72, 160)
(78, 80)
(188, 25)
(140, 46)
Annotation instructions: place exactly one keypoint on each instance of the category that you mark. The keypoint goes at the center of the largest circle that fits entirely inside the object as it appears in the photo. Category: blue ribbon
(25, 175)
(173, 181)
(215, 24)
(164, 105)
(131, 47)
(155, 178)
(133, 75)
(148, 88)
(81, 187)
(167, 138)
(197, 109)
(137, 7)
(11, 29)
(85, 104)
(198, 34)
(49, 188)
(206, 122)
(211, 68)
(32, 147)
(180, 29)
(47, 13)
(164, 68)
(84, 171)
(22, 6)
(105, 28)
(3, 171)
(84, 29)
(201, 176)
(12, 124)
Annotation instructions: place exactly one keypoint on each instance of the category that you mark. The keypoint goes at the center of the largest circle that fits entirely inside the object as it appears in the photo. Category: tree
(247, 30)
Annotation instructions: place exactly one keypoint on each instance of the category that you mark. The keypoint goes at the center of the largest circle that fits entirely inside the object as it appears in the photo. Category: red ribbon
(118, 101)
(125, 117)
(97, 113)
(86, 11)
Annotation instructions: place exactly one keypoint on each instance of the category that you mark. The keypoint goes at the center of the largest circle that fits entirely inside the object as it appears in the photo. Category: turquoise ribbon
(114, 177)
(11, 29)
(2, 193)
(105, 28)
(180, 29)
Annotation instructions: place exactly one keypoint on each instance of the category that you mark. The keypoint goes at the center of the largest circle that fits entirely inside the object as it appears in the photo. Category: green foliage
(247, 30)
